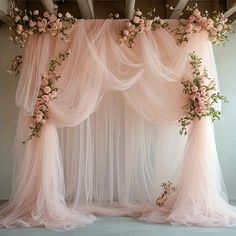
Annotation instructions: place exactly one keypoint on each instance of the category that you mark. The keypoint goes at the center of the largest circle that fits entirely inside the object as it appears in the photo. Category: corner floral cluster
(26, 23)
(216, 26)
(168, 188)
(202, 95)
(47, 93)
(137, 25)
(15, 65)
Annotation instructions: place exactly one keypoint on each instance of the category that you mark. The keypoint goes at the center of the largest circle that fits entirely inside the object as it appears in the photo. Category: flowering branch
(47, 93)
(15, 66)
(202, 94)
(26, 23)
(216, 26)
(137, 25)
(168, 188)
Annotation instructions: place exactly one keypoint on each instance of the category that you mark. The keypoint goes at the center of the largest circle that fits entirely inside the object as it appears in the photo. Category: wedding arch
(103, 123)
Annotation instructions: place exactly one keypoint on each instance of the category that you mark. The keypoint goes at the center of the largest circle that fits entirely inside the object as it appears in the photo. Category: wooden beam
(50, 6)
(231, 11)
(179, 7)
(86, 8)
(230, 3)
(129, 8)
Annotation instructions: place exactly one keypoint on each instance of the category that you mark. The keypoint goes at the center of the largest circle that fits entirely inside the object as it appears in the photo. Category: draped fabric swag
(113, 134)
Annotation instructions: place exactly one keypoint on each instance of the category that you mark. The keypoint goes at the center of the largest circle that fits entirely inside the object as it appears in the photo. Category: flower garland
(168, 188)
(216, 26)
(47, 93)
(137, 25)
(26, 23)
(202, 95)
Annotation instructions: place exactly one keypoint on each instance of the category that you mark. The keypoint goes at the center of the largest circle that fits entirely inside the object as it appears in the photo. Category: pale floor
(123, 226)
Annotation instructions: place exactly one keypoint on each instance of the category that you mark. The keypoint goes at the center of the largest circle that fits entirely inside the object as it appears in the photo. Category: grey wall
(225, 129)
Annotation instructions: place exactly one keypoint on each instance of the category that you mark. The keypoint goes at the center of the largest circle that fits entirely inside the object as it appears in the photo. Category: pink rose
(194, 88)
(125, 32)
(19, 27)
(39, 118)
(219, 28)
(32, 24)
(136, 20)
(128, 24)
(44, 83)
(196, 12)
(25, 18)
(54, 94)
(189, 28)
(191, 18)
(45, 98)
(43, 121)
(47, 89)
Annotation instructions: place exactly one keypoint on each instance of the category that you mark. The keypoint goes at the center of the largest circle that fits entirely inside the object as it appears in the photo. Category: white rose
(36, 12)
(68, 15)
(138, 13)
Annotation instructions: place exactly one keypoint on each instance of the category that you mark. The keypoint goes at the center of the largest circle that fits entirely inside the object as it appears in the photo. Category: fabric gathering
(112, 137)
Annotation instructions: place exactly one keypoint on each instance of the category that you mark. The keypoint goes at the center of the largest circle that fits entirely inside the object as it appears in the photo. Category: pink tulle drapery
(112, 135)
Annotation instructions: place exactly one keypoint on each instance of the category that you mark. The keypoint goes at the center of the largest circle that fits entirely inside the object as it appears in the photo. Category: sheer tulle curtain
(117, 112)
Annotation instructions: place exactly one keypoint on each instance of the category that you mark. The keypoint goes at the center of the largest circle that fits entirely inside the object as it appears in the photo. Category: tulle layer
(116, 113)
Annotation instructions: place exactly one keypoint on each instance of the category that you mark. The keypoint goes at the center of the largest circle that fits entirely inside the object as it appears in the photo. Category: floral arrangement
(15, 65)
(26, 23)
(47, 93)
(137, 25)
(168, 188)
(202, 94)
(216, 26)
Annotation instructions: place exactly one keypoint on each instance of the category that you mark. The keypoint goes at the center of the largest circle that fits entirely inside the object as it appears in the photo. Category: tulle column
(199, 199)
(38, 199)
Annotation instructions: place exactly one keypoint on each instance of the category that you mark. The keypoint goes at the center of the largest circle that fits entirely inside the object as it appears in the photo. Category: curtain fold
(116, 111)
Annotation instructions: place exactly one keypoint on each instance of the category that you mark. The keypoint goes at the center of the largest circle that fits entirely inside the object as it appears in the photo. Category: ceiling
(102, 8)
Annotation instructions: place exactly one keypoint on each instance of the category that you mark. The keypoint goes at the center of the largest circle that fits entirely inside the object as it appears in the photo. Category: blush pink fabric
(112, 137)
